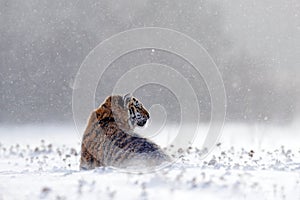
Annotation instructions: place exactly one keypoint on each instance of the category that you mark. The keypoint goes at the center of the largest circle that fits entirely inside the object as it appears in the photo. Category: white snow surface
(41, 162)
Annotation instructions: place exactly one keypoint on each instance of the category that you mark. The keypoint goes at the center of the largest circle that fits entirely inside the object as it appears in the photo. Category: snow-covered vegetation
(41, 162)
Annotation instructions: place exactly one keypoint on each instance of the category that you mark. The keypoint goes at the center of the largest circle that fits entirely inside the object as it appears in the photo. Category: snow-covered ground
(41, 162)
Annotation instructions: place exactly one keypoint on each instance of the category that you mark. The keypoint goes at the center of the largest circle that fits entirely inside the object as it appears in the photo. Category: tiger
(109, 138)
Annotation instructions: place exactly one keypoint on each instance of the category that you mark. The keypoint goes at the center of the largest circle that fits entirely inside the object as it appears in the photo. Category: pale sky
(270, 29)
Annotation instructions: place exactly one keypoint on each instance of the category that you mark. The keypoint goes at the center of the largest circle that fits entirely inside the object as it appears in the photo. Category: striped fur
(109, 139)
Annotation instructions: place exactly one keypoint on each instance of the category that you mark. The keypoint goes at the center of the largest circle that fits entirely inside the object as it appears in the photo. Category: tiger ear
(126, 99)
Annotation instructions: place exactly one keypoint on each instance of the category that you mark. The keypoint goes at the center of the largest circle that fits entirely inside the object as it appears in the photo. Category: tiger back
(109, 139)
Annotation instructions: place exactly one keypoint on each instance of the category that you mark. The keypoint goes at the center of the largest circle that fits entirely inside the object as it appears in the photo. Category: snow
(41, 162)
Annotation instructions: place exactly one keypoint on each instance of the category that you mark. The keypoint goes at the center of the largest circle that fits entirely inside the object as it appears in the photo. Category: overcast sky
(270, 29)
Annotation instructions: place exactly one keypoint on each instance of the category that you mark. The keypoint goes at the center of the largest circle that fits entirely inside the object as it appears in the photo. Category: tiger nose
(144, 121)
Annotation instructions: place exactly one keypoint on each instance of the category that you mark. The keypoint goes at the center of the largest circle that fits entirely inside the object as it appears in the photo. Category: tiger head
(137, 114)
(126, 111)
